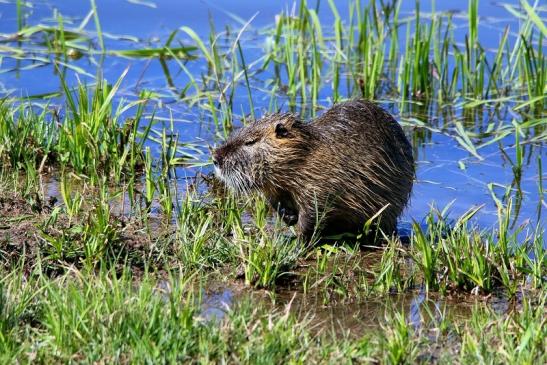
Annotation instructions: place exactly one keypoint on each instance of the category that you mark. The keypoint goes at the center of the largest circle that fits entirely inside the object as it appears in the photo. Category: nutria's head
(262, 155)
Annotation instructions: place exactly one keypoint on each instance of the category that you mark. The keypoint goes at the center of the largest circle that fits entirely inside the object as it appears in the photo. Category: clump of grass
(89, 140)
(72, 199)
(266, 255)
(390, 275)
(297, 56)
(89, 238)
(514, 338)
(201, 240)
(336, 274)
(25, 137)
(18, 306)
(92, 139)
(398, 345)
(464, 258)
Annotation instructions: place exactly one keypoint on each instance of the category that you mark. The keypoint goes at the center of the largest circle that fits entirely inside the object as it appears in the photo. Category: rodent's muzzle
(220, 153)
(217, 156)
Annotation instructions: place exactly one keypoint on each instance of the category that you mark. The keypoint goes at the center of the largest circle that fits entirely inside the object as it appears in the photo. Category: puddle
(343, 315)
(422, 311)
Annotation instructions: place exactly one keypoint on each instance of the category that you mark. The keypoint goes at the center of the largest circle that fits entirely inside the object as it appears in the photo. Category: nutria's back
(333, 173)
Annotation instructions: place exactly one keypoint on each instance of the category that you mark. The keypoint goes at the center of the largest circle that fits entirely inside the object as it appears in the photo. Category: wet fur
(338, 170)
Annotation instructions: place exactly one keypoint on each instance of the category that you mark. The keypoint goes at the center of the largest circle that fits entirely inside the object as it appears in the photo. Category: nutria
(330, 175)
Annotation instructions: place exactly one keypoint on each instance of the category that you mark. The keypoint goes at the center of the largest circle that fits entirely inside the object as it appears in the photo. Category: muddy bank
(36, 231)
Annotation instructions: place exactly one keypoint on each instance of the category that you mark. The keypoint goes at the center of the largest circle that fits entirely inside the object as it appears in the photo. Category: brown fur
(339, 170)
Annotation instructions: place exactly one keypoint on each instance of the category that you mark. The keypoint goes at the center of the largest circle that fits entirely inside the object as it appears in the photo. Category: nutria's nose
(217, 157)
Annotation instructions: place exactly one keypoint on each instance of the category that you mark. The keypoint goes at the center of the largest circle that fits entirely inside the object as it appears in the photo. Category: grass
(120, 269)
(524, 336)
(83, 317)
(447, 256)
(91, 137)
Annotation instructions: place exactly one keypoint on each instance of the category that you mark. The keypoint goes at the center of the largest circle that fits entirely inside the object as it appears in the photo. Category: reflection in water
(414, 314)
(355, 319)
(215, 305)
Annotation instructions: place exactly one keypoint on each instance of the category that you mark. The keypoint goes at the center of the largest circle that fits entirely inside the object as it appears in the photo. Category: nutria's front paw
(289, 216)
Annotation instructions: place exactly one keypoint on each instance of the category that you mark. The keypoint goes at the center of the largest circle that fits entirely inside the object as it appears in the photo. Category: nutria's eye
(281, 131)
(251, 142)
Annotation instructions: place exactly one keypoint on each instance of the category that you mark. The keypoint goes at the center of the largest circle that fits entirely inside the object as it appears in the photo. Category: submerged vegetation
(110, 252)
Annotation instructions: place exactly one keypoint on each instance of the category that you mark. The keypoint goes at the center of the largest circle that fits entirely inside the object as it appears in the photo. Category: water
(344, 315)
(440, 176)
(446, 172)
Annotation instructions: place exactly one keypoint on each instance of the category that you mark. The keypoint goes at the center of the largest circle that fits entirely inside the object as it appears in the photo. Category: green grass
(214, 233)
(105, 317)
(90, 138)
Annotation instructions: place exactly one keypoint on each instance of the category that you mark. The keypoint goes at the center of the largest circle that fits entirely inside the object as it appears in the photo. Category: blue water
(446, 173)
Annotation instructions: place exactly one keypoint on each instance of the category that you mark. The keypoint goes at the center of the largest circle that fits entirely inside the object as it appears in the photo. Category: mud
(29, 224)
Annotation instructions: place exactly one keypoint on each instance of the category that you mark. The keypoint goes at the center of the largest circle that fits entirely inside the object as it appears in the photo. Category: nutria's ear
(281, 131)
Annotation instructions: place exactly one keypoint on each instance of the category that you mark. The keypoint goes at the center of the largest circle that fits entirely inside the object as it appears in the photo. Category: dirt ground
(28, 224)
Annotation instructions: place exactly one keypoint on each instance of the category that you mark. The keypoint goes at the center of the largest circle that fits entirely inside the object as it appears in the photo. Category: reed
(97, 24)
